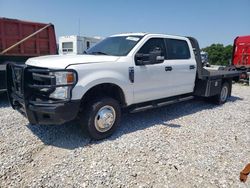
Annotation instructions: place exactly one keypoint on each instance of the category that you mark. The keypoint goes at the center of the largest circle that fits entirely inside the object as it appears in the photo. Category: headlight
(63, 78)
(66, 79)
(60, 93)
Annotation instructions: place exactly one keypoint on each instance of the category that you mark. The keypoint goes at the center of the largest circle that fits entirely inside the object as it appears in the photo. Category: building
(76, 44)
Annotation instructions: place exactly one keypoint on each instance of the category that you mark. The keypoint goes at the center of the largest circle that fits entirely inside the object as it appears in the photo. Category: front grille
(41, 81)
(42, 78)
(33, 85)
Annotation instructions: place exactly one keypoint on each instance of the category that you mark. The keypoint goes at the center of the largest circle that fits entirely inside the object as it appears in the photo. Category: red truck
(241, 55)
(20, 40)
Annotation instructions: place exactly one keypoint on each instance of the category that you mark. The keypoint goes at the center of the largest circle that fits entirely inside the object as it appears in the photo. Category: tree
(218, 54)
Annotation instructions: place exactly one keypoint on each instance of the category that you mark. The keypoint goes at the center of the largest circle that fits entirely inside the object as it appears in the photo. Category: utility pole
(79, 27)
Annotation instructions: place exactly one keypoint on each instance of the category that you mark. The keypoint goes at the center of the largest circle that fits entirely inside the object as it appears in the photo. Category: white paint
(151, 81)
(132, 38)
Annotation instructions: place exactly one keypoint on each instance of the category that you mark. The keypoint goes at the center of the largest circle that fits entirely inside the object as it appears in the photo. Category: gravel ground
(190, 144)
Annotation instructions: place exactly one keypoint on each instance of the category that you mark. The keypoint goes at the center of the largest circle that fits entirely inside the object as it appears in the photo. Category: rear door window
(177, 49)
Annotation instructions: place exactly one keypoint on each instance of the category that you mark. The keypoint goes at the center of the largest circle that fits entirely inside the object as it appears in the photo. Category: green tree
(218, 54)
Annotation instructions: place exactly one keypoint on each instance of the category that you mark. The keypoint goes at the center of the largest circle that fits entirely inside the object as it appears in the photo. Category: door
(151, 80)
(182, 76)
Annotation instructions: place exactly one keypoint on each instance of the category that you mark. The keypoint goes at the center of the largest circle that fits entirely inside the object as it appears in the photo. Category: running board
(160, 104)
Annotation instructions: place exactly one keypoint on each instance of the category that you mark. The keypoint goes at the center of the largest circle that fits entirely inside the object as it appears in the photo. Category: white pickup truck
(134, 71)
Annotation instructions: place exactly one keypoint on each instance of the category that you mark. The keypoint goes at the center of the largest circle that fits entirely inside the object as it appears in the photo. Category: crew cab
(132, 72)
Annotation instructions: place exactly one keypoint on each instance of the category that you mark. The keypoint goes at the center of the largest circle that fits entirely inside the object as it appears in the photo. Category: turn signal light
(70, 77)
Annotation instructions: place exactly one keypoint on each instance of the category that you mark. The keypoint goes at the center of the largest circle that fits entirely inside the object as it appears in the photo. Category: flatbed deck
(214, 74)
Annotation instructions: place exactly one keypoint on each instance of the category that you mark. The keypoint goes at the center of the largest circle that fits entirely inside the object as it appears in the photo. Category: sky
(210, 21)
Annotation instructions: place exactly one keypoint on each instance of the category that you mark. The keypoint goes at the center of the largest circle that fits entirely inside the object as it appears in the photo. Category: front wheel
(101, 117)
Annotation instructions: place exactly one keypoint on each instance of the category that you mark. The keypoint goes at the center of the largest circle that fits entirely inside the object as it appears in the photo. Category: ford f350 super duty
(135, 71)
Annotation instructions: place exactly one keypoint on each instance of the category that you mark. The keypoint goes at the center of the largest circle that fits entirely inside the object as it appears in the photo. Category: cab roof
(143, 34)
(129, 34)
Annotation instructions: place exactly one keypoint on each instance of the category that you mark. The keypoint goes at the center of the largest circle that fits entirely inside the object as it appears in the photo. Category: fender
(88, 79)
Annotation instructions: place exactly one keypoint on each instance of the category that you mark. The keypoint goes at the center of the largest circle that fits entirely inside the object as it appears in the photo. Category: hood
(62, 61)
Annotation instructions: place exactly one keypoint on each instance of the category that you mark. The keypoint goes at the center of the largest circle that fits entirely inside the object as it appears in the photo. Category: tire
(224, 94)
(101, 117)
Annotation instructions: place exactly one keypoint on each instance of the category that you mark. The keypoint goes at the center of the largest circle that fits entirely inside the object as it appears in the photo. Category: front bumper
(31, 100)
(47, 114)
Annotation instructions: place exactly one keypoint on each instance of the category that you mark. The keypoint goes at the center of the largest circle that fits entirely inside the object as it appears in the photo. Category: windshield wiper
(100, 53)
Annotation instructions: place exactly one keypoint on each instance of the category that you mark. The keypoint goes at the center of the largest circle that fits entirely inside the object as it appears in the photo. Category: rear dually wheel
(222, 97)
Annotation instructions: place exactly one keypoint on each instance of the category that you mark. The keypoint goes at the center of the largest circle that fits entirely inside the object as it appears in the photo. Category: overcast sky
(212, 21)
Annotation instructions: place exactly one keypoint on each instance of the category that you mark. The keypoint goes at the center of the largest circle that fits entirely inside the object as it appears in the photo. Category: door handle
(168, 68)
(191, 67)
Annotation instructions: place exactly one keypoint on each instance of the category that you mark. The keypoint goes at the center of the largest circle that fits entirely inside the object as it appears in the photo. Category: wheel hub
(224, 93)
(105, 118)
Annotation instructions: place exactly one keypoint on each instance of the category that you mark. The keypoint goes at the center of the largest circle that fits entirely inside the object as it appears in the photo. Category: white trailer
(74, 44)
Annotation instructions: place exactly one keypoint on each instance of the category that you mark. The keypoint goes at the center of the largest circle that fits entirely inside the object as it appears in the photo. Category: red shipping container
(241, 52)
(12, 31)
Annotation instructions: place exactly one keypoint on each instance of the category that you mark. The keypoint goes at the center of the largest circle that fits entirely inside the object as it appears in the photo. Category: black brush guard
(29, 89)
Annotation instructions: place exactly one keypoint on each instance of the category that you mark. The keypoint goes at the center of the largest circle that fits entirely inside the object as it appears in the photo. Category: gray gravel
(190, 144)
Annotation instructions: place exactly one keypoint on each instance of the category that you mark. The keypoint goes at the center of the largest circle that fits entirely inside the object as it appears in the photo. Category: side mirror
(154, 57)
(140, 59)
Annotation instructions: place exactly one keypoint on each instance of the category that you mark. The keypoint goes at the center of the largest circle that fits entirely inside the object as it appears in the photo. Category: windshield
(116, 46)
